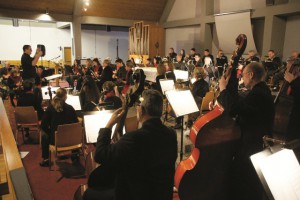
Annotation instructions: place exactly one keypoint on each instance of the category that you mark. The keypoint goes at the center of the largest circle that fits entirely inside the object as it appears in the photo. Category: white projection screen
(230, 26)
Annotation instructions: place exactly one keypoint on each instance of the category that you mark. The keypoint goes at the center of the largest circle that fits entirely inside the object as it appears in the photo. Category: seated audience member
(57, 113)
(128, 79)
(109, 96)
(28, 98)
(138, 165)
(89, 93)
(14, 82)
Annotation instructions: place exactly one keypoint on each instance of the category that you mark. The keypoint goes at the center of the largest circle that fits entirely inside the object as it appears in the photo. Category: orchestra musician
(128, 78)
(251, 57)
(89, 93)
(191, 59)
(106, 73)
(255, 115)
(280, 74)
(169, 71)
(172, 55)
(182, 53)
(143, 159)
(294, 81)
(14, 83)
(148, 63)
(97, 68)
(57, 113)
(179, 64)
(29, 63)
(207, 54)
(77, 72)
(4, 71)
(271, 64)
(161, 74)
(221, 62)
(40, 78)
(119, 75)
(110, 94)
(197, 60)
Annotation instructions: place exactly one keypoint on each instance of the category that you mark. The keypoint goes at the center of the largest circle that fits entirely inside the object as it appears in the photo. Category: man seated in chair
(144, 160)
(57, 113)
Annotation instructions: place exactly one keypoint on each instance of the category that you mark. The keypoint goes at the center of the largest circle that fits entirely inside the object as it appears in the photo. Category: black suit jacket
(29, 99)
(144, 161)
(106, 75)
(255, 115)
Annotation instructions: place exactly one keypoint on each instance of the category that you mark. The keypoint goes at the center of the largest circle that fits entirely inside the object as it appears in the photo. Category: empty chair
(68, 137)
(26, 117)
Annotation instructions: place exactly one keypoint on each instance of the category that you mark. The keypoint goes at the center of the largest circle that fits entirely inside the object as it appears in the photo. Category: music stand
(166, 85)
(278, 170)
(94, 121)
(48, 92)
(48, 78)
(183, 103)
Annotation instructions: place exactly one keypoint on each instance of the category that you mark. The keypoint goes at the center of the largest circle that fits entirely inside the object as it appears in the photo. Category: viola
(204, 175)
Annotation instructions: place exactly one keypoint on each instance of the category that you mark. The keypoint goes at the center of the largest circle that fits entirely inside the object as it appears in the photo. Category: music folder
(182, 102)
(94, 121)
(166, 85)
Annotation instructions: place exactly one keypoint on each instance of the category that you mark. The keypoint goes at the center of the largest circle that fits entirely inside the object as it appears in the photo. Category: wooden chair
(26, 117)
(209, 96)
(68, 137)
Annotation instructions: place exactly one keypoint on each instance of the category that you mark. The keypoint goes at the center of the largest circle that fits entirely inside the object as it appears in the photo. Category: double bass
(204, 175)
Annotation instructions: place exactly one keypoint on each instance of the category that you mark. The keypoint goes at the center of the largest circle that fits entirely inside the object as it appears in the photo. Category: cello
(204, 175)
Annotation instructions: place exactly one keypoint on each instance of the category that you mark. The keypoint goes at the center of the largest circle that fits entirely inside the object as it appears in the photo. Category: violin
(105, 172)
(204, 175)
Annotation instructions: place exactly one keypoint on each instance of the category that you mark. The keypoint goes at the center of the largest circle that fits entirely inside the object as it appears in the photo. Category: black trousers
(98, 194)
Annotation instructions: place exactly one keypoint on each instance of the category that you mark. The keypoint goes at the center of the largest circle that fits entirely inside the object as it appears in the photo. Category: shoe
(44, 163)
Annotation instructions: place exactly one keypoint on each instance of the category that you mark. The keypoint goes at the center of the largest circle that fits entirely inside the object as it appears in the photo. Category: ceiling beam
(166, 12)
(19, 14)
(77, 9)
(106, 21)
(280, 10)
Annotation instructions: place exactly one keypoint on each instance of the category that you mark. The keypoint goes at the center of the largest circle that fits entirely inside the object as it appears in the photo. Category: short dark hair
(258, 71)
(129, 63)
(25, 47)
(193, 49)
(119, 60)
(271, 51)
(27, 85)
(206, 50)
(198, 54)
(152, 103)
(97, 61)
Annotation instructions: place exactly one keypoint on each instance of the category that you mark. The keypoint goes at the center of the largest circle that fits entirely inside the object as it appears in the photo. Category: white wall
(292, 39)
(182, 38)
(12, 39)
(102, 44)
(184, 9)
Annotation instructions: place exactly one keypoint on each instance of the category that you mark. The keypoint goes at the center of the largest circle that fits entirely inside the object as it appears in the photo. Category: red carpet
(43, 182)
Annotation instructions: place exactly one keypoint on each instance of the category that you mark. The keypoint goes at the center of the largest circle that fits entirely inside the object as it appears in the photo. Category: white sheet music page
(74, 101)
(166, 85)
(182, 102)
(282, 173)
(45, 92)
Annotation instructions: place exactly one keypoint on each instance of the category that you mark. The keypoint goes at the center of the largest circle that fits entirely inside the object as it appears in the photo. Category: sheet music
(282, 173)
(93, 123)
(180, 74)
(48, 78)
(166, 85)
(182, 102)
(74, 101)
(151, 73)
(45, 92)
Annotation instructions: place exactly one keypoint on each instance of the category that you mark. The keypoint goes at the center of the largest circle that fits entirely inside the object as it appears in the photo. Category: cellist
(255, 115)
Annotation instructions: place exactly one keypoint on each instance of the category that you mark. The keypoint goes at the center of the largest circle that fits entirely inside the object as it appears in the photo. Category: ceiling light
(87, 3)
(85, 9)
(47, 12)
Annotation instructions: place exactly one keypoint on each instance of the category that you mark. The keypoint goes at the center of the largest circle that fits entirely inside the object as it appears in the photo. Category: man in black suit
(144, 159)
(255, 115)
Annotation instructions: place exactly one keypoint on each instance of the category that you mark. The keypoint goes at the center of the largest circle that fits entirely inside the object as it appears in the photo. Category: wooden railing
(16, 177)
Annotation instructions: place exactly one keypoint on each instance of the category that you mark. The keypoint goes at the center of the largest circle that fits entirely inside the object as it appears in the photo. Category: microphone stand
(117, 48)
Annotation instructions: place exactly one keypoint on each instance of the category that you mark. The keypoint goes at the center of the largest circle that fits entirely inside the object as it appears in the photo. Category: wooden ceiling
(148, 10)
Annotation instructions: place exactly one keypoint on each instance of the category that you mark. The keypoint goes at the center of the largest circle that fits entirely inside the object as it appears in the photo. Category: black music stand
(50, 90)
(166, 85)
(183, 103)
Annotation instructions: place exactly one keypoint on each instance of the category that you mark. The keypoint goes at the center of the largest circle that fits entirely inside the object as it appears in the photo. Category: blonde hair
(59, 99)
(199, 72)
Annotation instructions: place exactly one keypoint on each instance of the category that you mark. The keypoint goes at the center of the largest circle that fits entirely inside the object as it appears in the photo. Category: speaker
(108, 28)
(270, 2)
(42, 48)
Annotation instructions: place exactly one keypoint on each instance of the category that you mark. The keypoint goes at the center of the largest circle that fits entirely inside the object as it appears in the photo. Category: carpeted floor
(61, 184)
